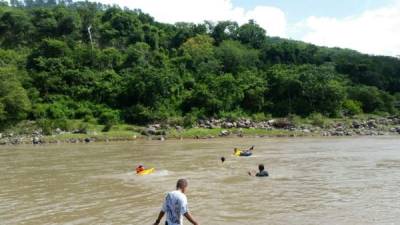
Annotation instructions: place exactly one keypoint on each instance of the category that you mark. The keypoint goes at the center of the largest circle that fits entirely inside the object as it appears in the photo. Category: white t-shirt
(175, 205)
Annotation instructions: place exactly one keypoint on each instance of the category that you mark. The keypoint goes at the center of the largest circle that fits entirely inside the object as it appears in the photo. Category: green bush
(109, 117)
(63, 124)
(107, 127)
(83, 128)
(58, 111)
(83, 111)
(260, 117)
(138, 114)
(175, 121)
(317, 119)
(352, 107)
(295, 120)
(46, 125)
(233, 116)
(89, 119)
(189, 120)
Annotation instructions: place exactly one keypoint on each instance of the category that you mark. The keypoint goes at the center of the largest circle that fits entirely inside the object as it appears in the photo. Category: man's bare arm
(190, 218)
(160, 216)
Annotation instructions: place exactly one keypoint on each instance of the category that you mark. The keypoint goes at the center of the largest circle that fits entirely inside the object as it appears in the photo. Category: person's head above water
(261, 167)
(235, 150)
(182, 185)
(222, 159)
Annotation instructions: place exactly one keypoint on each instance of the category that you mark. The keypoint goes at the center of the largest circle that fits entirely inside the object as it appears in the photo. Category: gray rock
(37, 132)
(227, 125)
(339, 133)
(151, 131)
(214, 126)
(397, 129)
(326, 134)
(3, 142)
(16, 141)
(271, 122)
(356, 124)
(224, 133)
(339, 129)
(241, 124)
(58, 131)
(36, 140)
(372, 124)
(349, 133)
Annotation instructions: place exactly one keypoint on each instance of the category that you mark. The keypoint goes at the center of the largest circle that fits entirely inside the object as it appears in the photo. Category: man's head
(261, 167)
(222, 159)
(235, 150)
(182, 185)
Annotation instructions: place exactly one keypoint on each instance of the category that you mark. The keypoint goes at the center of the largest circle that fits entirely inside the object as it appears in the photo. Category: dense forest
(62, 60)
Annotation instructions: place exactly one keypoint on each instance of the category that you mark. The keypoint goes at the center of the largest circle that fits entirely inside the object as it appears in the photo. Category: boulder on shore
(224, 133)
(36, 140)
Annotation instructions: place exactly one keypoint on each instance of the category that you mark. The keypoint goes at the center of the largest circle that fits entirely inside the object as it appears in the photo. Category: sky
(368, 26)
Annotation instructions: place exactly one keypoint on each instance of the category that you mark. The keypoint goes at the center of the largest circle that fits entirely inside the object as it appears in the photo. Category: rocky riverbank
(213, 128)
(348, 127)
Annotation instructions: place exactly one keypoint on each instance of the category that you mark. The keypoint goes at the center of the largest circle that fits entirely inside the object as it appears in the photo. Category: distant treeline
(64, 60)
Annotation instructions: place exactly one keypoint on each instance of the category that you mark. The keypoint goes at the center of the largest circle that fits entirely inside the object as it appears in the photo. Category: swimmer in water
(139, 169)
(222, 159)
(262, 172)
(248, 151)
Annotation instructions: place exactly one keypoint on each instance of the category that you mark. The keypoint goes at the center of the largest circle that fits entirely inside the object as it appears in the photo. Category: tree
(372, 99)
(198, 50)
(15, 29)
(306, 89)
(225, 30)
(235, 57)
(14, 101)
(252, 34)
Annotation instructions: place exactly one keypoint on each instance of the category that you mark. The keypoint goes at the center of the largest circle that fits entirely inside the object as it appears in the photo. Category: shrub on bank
(317, 119)
(352, 107)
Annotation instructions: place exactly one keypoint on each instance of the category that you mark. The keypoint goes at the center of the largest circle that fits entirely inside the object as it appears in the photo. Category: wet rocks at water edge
(245, 123)
(36, 140)
(370, 127)
(395, 130)
(224, 133)
(154, 130)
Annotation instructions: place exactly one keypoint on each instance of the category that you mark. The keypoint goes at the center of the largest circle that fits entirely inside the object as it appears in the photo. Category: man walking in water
(175, 205)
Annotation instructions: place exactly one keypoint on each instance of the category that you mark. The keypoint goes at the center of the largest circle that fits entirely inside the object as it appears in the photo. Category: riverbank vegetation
(63, 61)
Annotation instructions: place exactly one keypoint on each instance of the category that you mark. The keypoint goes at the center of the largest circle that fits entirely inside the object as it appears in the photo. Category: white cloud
(170, 11)
(374, 31)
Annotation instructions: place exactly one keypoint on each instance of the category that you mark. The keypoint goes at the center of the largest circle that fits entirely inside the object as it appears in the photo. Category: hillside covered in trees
(61, 60)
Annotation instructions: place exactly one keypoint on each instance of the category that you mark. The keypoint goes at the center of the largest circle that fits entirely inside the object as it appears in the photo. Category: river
(313, 181)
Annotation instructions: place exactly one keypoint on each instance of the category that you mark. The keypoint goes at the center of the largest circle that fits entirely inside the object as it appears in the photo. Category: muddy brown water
(313, 181)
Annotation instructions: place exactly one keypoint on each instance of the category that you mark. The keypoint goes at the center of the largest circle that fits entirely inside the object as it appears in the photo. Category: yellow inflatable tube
(146, 172)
